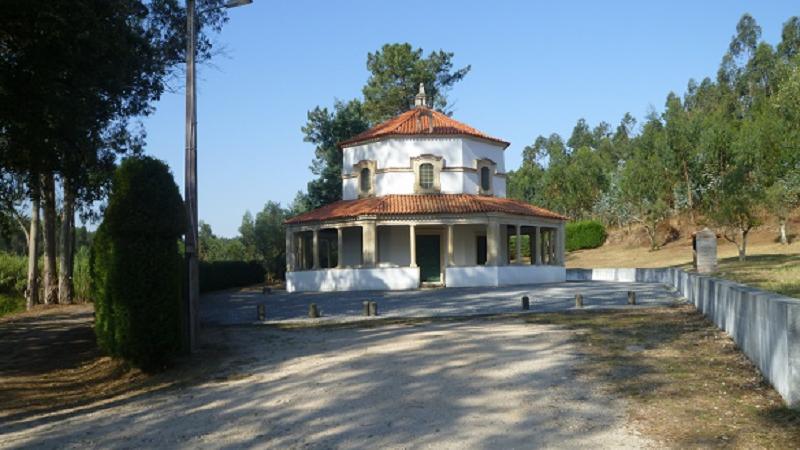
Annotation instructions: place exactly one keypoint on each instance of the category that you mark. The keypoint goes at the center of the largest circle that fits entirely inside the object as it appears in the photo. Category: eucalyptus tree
(645, 184)
(681, 138)
(83, 69)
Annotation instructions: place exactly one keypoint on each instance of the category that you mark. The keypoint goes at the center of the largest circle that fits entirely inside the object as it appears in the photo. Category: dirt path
(479, 384)
(50, 364)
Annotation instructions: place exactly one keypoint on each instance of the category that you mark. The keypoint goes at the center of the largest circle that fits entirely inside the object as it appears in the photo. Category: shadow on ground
(449, 383)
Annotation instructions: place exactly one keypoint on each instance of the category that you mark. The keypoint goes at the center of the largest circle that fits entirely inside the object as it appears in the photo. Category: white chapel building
(423, 204)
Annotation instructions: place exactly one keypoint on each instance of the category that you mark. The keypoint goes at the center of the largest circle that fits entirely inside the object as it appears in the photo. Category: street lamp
(191, 247)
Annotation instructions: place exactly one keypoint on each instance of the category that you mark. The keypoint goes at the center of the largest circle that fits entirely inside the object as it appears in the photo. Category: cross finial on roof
(421, 100)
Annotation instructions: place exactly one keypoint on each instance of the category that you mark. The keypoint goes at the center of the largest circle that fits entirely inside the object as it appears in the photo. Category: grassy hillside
(769, 265)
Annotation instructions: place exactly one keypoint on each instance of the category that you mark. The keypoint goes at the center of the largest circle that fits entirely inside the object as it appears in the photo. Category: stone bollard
(631, 298)
(578, 301)
(313, 311)
(366, 307)
(373, 308)
(262, 312)
(526, 305)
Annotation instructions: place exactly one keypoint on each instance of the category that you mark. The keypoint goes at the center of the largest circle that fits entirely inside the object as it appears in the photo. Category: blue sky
(536, 68)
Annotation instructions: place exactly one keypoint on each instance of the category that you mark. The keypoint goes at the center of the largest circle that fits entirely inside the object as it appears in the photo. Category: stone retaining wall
(765, 325)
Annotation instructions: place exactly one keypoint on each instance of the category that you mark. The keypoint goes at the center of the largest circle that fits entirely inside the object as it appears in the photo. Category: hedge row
(585, 234)
(216, 275)
(136, 266)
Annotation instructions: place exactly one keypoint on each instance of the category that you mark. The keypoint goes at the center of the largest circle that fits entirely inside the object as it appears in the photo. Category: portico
(409, 252)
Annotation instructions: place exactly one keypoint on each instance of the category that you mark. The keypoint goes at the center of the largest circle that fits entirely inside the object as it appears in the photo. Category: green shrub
(135, 265)
(11, 303)
(80, 275)
(13, 273)
(216, 275)
(585, 234)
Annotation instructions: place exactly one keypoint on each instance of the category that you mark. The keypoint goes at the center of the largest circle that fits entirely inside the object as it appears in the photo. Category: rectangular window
(426, 176)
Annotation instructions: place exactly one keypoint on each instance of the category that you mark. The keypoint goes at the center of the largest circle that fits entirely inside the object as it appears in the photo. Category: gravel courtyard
(473, 384)
(239, 307)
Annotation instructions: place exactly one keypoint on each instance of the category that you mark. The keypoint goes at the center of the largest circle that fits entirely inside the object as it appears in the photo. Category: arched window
(365, 181)
(426, 176)
(486, 179)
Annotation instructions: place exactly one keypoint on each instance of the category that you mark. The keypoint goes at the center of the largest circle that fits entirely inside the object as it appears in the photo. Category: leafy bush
(136, 267)
(585, 234)
(11, 303)
(13, 273)
(216, 275)
(80, 275)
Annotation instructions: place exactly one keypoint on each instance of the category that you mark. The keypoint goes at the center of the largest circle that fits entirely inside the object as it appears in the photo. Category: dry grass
(777, 273)
(769, 265)
(687, 383)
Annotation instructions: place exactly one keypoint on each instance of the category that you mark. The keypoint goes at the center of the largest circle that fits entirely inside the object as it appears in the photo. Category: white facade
(394, 173)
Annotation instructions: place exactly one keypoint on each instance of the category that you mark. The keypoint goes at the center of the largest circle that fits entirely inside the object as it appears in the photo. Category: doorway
(429, 258)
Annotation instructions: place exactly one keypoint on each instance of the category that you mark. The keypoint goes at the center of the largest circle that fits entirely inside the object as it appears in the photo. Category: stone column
(538, 248)
(369, 244)
(492, 243)
(561, 244)
(412, 245)
(339, 248)
(289, 250)
(315, 249)
(301, 250)
(518, 246)
(450, 247)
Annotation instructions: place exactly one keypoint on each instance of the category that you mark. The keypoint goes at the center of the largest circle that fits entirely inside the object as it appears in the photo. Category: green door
(428, 258)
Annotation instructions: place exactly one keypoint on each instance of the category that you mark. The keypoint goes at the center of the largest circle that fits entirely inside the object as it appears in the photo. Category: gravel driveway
(449, 384)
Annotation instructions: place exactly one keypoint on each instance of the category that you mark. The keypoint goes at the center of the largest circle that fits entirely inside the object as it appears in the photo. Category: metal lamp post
(190, 196)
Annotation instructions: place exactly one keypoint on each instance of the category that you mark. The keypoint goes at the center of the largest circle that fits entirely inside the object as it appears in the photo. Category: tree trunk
(743, 246)
(690, 202)
(784, 237)
(32, 292)
(50, 269)
(65, 287)
(651, 233)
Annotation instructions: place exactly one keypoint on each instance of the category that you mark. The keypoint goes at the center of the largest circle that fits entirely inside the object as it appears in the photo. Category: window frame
(436, 163)
(424, 182)
(358, 172)
(491, 167)
(364, 177)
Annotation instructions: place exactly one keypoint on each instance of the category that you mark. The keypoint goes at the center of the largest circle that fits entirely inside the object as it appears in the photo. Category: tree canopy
(727, 150)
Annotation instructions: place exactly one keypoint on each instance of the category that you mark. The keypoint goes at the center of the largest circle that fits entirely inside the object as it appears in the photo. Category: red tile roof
(409, 205)
(420, 121)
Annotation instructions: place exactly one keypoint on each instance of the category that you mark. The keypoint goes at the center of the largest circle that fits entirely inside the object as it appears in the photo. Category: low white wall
(512, 275)
(765, 325)
(471, 276)
(602, 274)
(475, 276)
(376, 279)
